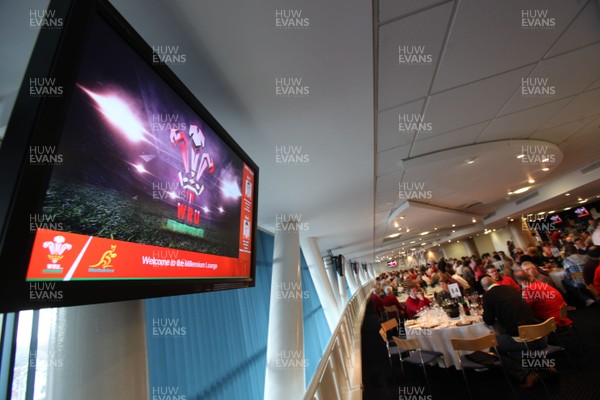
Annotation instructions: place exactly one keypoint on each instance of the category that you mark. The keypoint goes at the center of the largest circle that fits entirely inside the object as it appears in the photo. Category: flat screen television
(120, 185)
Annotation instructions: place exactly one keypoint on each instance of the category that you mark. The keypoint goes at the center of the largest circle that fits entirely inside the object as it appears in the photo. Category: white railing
(339, 374)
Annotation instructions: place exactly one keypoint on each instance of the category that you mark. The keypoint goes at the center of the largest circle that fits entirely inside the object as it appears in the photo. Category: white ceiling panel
(473, 103)
(556, 75)
(521, 124)
(392, 132)
(393, 9)
(591, 131)
(583, 31)
(389, 181)
(391, 160)
(459, 137)
(419, 36)
(558, 134)
(585, 105)
(485, 33)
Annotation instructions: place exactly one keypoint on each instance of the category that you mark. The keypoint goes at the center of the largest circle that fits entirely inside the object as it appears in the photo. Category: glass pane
(49, 351)
(22, 357)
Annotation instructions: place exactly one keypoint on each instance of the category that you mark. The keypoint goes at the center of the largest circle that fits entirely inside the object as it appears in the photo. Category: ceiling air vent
(490, 215)
(469, 205)
(590, 168)
(528, 197)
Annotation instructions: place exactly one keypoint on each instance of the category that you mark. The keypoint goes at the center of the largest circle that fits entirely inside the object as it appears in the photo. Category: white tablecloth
(438, 339)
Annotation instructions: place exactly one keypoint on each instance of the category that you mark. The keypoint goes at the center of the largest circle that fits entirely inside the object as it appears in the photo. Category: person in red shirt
(544, 300)
(502, 281)
(391, 300)
(415, 301)
(377, 301)
(597, 279)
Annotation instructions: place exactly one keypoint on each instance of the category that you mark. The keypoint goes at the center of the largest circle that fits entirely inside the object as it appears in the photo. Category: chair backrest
(389, 324)
(407, 344)
(563, 311)
(480, 343)
(530, 333)
(390, 310)
(577, 275)
(383, 335)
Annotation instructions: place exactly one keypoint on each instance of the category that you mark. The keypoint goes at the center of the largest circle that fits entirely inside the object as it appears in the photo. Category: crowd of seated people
(574, 253)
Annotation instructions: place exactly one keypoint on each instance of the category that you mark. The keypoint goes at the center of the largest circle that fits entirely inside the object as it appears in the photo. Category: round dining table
(436, 335)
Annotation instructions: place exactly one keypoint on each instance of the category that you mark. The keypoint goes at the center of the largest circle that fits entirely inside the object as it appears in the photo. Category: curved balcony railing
(339, 373)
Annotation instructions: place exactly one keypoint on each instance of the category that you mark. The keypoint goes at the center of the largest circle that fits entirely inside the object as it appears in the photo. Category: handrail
(339, 373)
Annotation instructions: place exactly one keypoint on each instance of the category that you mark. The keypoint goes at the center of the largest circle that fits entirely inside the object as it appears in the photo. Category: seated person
(504, 309)
(377, 301)
(574, 262)
(391, 300)
(419, 281)
(532, 270)
(415, 301)
(589, 268)
(544, 300)
(502, 281)
(597, 280)
(444, 294)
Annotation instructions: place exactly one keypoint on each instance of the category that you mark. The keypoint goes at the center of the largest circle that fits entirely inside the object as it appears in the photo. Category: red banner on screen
(67, 256)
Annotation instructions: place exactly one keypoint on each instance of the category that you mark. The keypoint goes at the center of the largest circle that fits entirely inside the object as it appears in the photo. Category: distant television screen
(392, 263)
(581, 212)
(142, 193)
(556, 219)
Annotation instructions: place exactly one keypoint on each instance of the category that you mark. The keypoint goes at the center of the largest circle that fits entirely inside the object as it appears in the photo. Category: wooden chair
(389, 324)
(482, 343)
(417, 356)
(390, 350)
(570, 329)
(531, 333)
(577, 275)
(391, 312)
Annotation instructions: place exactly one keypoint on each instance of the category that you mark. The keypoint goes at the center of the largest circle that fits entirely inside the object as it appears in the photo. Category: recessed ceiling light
(567, 194)
(407, 230)
(545, 169)
(567, 209)
(401, 217)
(435, 229)
(424, 233)
(474, 220)
(453, 225)
(520, 156)
(423, 244)
(396, 224)
(583, 201)
(521, 190)
(453, 231)
(449, 241)
(531, 181)
(412, 241)
(393, 235)
(470, 160)
(550, 212)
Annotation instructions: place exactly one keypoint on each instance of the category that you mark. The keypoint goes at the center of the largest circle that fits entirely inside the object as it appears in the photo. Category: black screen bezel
(38, 122)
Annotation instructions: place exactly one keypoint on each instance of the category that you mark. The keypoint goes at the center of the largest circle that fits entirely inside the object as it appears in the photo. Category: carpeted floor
(382, 382)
